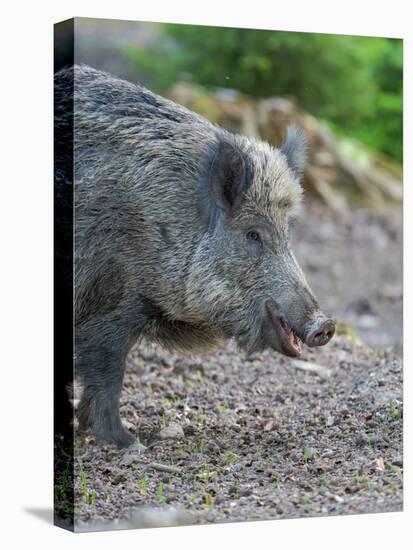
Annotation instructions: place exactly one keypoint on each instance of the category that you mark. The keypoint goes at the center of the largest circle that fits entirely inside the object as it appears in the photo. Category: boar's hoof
(121, 438)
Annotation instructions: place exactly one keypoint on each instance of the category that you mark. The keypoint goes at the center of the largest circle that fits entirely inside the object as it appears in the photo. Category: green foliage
(354, 83)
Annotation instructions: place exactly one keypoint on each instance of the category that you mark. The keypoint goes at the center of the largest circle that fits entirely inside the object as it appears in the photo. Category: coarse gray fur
(167, 207)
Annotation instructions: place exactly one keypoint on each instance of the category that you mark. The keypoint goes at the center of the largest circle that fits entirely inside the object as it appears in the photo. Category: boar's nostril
(321, 334)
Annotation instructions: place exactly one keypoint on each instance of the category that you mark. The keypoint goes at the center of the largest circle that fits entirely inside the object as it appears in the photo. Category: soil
(225, 437)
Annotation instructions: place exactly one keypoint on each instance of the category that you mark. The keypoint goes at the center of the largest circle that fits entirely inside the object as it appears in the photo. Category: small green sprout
(231, 457)
(308, 454)
(206, 473)
(395, 413)
(222, 408)
(201, 446)
(143, 484)
(277, 479)
(208, 501)
(89, 497)
(160, 493)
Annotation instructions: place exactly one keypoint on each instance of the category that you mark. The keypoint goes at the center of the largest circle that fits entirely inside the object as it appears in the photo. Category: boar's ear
(295, 149)
(228, 177)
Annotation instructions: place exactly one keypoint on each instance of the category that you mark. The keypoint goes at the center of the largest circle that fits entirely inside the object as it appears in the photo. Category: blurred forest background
(346, 94)
(352, 84)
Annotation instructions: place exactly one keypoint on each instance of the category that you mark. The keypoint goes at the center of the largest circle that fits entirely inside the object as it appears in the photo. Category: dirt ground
(227, 437)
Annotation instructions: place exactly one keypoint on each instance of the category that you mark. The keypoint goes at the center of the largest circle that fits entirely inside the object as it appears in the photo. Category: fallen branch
(164, 468)
(315, 368)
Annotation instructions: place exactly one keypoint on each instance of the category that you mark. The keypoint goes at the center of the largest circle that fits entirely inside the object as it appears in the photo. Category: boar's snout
(320, 332)
(288, 338)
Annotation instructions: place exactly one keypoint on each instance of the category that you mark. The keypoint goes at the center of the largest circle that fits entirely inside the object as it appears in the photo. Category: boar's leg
(102, 344)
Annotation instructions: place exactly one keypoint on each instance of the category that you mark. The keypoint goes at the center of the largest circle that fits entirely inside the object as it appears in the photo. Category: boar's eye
(253, 236)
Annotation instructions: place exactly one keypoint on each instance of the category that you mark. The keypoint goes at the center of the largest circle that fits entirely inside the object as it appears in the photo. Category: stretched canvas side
(63, 282)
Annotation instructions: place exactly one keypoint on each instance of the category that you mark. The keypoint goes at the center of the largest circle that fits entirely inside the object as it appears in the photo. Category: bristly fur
(159, 249)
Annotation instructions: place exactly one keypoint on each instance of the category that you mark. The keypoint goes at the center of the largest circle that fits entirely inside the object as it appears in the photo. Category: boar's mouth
(290, 343)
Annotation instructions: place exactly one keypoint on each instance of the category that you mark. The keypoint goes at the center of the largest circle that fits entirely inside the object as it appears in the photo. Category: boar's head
(244, 279)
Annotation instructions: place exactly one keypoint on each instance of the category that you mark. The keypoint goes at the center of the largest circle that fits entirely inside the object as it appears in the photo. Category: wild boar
(181, 235)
